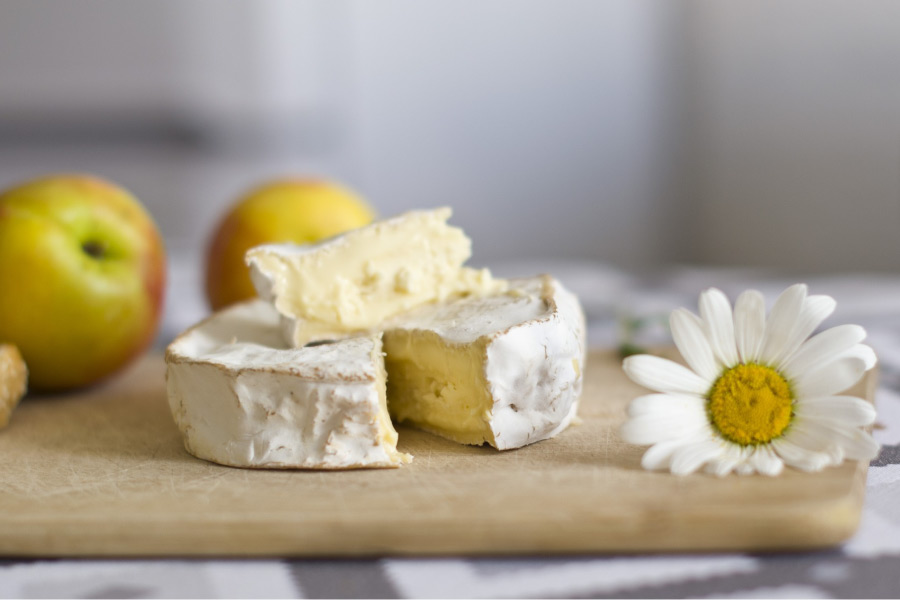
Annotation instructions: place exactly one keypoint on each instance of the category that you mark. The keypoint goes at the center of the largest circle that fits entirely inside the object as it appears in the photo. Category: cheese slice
(353, 282)
(241, 397)
(504, 369)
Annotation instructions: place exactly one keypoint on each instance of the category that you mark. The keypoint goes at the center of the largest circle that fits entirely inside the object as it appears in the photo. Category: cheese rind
(503, 369)
(242, 398)
(353, 282)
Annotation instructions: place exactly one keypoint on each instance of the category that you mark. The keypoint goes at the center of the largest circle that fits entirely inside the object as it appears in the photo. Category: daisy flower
(759, 393)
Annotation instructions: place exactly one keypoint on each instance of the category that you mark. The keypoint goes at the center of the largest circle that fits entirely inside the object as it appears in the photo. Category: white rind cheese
(504, 369)
(353, 282)
(379, 322)
(242, 398)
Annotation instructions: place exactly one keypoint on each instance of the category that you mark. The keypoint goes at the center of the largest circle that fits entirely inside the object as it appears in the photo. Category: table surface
(866, 566)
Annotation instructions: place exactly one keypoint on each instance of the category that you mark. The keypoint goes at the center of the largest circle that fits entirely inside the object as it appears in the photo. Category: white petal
(862, 446)
(842, 409)
(749, 324)
(822, 348)
(765, 461)
(687, 459)
(837, 454)
(689, 337)
(815, 309)
(745, 468)
(666, 404)
(659, 455)
(781, 322)
(831, 378)
(715, 310)
(825, 444)
(855, 443)
(798, 457)
(809, 436)
(864, 353)
(726, 462)
(653, 428)
(663, 375)
(719, 468)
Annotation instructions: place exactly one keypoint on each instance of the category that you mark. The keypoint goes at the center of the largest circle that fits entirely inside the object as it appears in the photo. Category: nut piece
(13, 377)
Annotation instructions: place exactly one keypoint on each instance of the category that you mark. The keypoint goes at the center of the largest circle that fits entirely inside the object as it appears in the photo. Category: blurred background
(631, 133)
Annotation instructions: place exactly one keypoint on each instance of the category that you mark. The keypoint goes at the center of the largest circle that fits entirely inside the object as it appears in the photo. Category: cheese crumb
(13, 379)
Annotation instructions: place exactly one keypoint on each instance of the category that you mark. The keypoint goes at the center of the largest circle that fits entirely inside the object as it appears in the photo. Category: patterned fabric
(867, 566)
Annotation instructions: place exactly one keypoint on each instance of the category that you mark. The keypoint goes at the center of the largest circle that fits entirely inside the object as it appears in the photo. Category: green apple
(82, 278)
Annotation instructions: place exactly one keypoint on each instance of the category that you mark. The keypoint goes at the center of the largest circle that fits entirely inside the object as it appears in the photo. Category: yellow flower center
(750, 404)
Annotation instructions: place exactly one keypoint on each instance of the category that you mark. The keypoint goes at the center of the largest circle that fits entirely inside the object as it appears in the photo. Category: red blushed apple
(82, 278)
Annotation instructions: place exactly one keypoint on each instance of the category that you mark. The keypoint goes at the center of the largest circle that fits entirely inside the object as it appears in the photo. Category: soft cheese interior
(380, 322)
(502, 369)
(241, 397)
(355, 281)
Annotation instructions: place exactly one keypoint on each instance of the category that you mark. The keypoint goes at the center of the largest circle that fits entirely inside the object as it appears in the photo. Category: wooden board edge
(834, 522)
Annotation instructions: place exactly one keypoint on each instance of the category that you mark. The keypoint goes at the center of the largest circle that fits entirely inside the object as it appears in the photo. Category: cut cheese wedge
(241, 397)
(504, 369)
(353, 282)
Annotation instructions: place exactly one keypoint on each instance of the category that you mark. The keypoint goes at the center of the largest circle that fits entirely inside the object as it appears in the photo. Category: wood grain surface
(103, 473)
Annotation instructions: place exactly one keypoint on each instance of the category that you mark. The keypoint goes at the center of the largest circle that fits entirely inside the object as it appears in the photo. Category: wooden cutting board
(104, 473)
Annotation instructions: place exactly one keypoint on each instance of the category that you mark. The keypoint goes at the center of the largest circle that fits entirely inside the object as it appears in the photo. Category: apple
(82, 277)
(301, 211)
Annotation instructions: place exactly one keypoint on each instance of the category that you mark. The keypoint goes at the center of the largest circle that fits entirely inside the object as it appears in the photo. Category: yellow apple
(288, 210)
(82, 276)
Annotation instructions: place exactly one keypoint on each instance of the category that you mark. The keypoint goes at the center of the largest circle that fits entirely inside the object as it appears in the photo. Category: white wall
(547, 126)
(795, 133)
(635, 132)
(80, 59)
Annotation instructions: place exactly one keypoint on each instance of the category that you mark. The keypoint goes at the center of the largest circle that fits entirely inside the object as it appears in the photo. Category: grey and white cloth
(866, 566)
